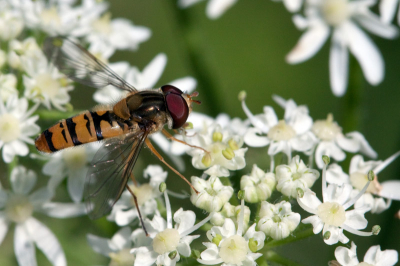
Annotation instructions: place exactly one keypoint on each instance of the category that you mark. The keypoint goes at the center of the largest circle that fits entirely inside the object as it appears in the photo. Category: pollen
(166, 241)
(281, 131)
(234, 250)
(335, 12)
(331, 213)
(326, 129)
(18, 208)
(9, 128)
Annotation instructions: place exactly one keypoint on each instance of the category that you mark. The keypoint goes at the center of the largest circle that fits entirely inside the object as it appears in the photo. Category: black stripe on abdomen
(71, 125)
(97, 120)
(47, 135)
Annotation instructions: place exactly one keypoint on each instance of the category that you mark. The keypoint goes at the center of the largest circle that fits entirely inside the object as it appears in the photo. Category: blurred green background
(245, 49)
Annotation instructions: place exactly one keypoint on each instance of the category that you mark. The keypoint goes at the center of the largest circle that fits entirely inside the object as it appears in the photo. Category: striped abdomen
(87, 127)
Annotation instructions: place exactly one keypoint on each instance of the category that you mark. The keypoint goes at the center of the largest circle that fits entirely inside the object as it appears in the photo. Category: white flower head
(212, 193)
(166, 243)
(124, 210)
(22, 51)
(45, 84)
(72, 164)
(8, 86)
(277, 220)
(295, 176)
(117, 248)
(332, 215)
(16, 127)
(340, 17)
(220, 148)
(373, 257)
(333, 143)
(257, 186)
(17, 206)
(214, 9)
(232, 212)
(232, 246)
(291, 133)
(11, 24)
(118, 33)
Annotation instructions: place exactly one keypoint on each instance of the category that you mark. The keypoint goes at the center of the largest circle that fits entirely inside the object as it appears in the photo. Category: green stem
(275, 257)
(12, 165)
(54, 115)
(293, 238)
(257, 218)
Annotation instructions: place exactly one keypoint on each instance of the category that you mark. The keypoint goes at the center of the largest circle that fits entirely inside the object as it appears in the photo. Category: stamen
(385, 163)
(241, 218)
(355, 231)
(197, 226)
(353, 200)
(254, 120)
(168, 207)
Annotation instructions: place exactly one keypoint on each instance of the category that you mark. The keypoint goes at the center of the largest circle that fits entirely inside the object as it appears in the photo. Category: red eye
(177, 108)
(171, 89)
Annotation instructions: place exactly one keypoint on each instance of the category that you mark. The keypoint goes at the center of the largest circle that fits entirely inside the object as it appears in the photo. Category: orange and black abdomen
(83, 128)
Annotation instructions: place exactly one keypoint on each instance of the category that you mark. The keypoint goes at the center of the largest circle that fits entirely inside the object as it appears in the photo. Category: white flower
(373, 257)
(22, 51)
(233, 213)
(292, 133)
(221, 148)
(8, 86)
(277, 220)
(214, 9)
(124, 210)
(60, 17)
(73, 164)
(358, 177)
(257, 186)
(293, 176)
(17, 206)
(11, 23)
(388, 10)
(16, 127)
(332, 215)
(45, 84)
(292, 5)
(230, 247)
(165, 242)
(117, 248)
(118, 33)
(212, 194)
(341, 18)
(332, 142)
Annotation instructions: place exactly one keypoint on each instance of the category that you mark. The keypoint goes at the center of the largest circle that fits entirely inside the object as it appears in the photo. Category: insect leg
(168, 135)
(153, 150)
(137, 208)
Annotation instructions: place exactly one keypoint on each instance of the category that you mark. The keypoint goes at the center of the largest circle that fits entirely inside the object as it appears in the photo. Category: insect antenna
(138, 210)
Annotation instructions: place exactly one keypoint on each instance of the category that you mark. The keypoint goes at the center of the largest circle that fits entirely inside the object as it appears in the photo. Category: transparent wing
(81, 66)
(109, 172)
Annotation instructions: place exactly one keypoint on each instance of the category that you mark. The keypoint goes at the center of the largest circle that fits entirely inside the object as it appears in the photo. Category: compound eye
(171, 89)
(177, 108)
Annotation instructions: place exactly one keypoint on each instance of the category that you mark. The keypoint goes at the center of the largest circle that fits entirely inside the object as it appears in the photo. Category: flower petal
(309, 44)
(338, 64)
(46, 241)
(366, 53)
(373, 24)
(387, 9)
(99, 244)
(23, 247)
(390, 189)
(22, 181)
(63, 210)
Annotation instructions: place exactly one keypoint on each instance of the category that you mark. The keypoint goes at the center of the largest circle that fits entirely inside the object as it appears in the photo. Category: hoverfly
(123, 127)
